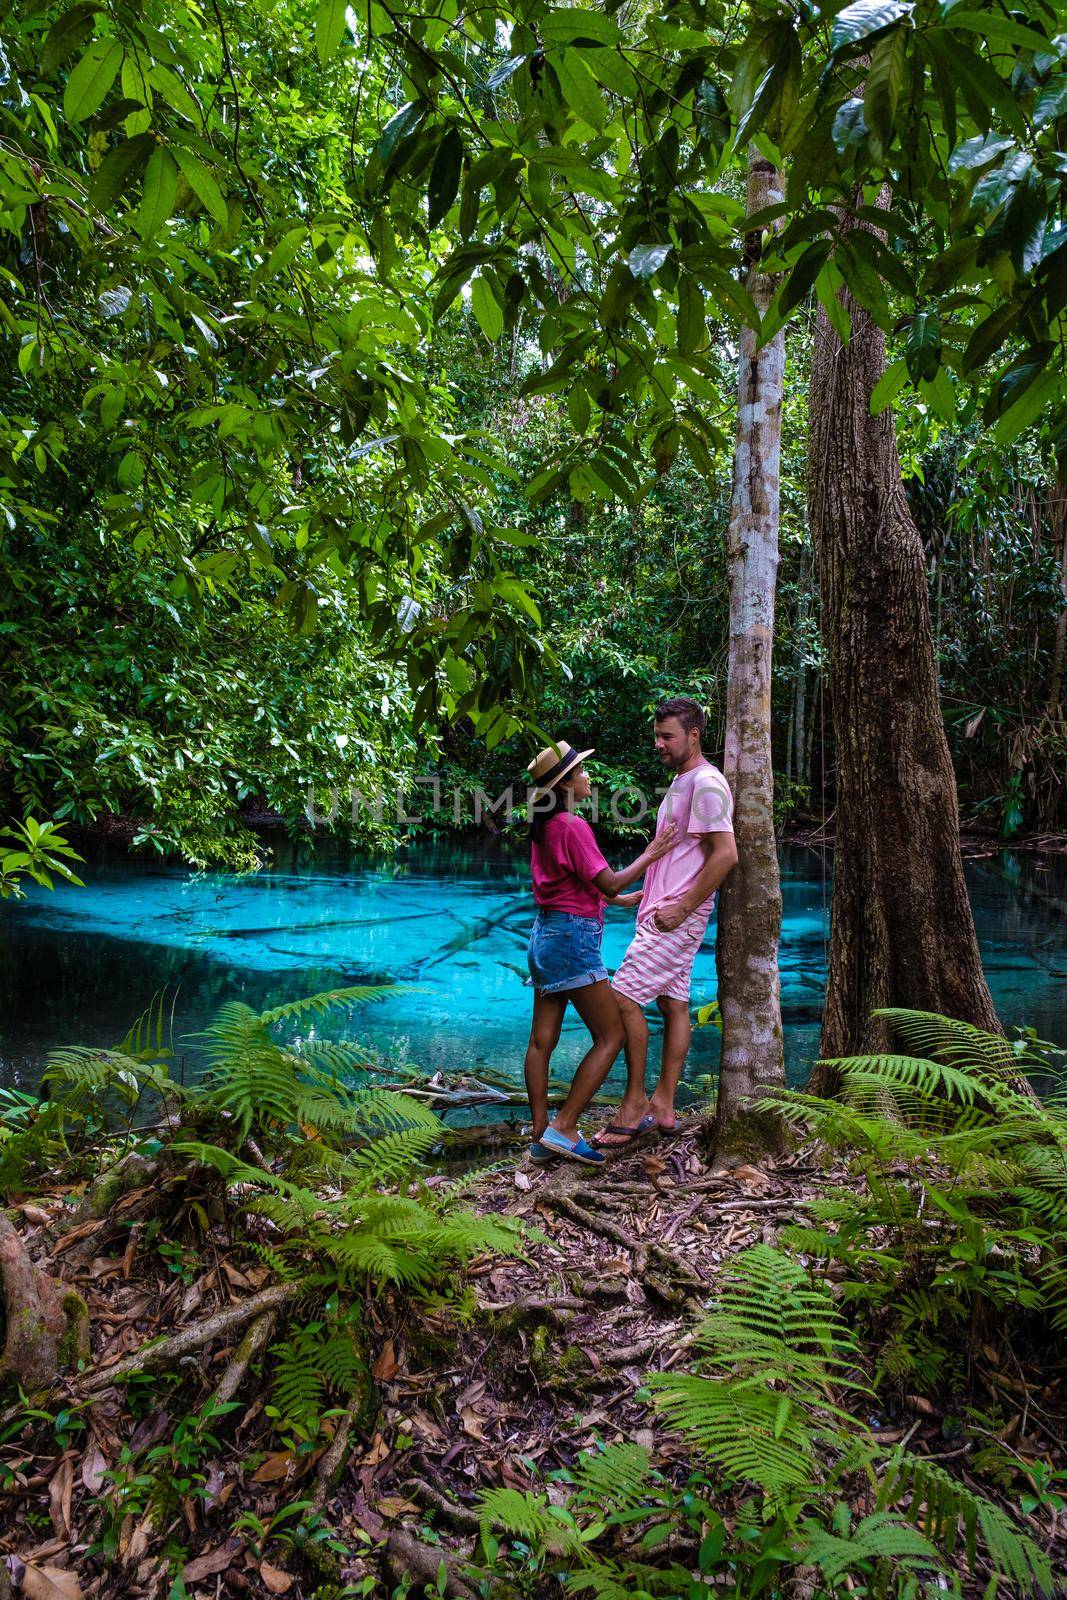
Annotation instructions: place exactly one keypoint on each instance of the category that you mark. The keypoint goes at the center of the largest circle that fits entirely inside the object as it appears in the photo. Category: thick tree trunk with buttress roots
(901, 929)
(750, 908)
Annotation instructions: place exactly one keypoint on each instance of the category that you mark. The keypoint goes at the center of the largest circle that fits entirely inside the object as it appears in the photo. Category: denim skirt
(564, 951)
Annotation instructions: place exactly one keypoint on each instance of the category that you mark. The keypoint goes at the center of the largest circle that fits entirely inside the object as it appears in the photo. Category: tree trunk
(1058, 510)
(750, 909)
(901, 929)
(800, 702)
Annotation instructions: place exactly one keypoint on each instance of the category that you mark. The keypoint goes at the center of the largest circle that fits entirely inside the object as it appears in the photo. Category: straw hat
(551, 764)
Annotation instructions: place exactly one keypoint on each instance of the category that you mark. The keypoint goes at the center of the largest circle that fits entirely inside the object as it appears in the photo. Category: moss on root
(746, 1139)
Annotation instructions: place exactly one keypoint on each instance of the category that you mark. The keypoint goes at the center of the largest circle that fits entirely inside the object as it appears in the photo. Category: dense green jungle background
(162, 680)
(162, 719)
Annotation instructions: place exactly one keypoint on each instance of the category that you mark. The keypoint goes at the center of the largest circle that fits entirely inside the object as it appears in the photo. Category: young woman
(571, 881)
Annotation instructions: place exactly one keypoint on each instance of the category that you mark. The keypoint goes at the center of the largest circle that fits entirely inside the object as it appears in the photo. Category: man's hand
(670, 914)
(631, 899)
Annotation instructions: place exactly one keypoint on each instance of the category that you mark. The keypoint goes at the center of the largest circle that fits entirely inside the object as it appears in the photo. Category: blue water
(451, 921)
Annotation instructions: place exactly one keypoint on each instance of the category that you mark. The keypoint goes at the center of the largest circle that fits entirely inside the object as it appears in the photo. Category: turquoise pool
(449, 919)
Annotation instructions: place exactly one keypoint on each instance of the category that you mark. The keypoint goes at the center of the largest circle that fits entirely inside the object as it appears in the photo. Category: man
(676, 904)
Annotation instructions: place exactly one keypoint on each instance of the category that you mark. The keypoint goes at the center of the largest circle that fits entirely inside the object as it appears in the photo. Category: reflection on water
(449, 919)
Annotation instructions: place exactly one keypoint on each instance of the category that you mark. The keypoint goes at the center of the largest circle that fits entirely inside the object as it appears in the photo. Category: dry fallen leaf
(386, 1366)
(277, 1581)
(394, 1506)
(377, 1452)
(206, 1566)
(752, 1176)
(60, 1490)
(93, 1467)
(50, 1583)
(279, 1464)
(472, 1423)
(236, 1276)
(472, 1393)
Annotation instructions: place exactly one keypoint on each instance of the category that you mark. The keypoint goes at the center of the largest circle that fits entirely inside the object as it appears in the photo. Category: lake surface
(450, 919)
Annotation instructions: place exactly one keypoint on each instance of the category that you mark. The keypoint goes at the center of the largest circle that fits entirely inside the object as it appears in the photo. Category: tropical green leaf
(202, 183)
(487, 309)
(859, 23)
(158, 192)
(91, 79)
(330, 24)
(579, 89)
(444, 177)
(645, 260)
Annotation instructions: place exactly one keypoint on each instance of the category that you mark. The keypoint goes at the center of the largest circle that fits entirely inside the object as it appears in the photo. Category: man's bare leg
(634, 1103)
(677, 1032)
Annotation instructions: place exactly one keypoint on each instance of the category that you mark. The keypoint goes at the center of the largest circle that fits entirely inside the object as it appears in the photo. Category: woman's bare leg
(548, 1012)
(599, 1010)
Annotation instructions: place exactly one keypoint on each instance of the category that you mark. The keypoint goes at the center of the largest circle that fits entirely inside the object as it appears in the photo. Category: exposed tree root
(251, 1346)
(133, 1171)
(46, 1326)
(409, 1556)
(220, 1325)
(459, 1516)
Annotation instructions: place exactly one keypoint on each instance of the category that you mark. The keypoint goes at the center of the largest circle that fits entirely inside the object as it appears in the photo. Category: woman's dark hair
(544, 808)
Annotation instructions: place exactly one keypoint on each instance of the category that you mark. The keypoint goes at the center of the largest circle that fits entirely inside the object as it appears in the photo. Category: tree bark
(750, 907)
(901, 929)
(1058, 513)
(46, 1326)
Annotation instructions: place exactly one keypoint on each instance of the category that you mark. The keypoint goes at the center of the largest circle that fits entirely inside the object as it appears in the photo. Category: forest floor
(535, 1360)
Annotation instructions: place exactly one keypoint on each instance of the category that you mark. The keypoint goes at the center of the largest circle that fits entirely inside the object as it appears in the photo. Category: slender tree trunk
(800, 702)
(1058, 509)
(750, 910)
(901, 929)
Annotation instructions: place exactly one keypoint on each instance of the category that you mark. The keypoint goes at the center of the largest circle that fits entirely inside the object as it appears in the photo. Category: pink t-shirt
(564, 862)
(700, 802)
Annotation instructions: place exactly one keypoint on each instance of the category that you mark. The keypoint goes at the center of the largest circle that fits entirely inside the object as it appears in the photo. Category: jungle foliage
(344, 349)
(949, 1238)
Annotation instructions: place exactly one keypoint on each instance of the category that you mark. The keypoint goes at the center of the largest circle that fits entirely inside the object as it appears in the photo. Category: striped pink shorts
(660, 963)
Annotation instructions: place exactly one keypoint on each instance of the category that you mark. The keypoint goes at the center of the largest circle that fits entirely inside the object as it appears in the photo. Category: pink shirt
(700, 802)
(564, 862)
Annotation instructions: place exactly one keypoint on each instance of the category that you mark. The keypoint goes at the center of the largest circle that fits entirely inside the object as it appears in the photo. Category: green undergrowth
(309, 1183)
(947, 1246)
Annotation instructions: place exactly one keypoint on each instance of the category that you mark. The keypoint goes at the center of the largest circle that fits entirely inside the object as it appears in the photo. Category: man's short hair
(688, 713)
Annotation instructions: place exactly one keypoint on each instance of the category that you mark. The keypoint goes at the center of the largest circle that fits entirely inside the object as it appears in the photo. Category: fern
(529, 1517)
(616, 1478)
(881, 1537)
(316, 1004)
(943, 1505)
(273, 1089)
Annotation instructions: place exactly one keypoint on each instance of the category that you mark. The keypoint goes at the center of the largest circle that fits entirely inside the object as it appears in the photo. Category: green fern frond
(314, 1004)
(881, 1537)
(358, 1255)
(617, 1477)
(392, 1156)
(530, 1518)
(944, 1504)
(151, 1037)
(949, 1039)
(340, 1058)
